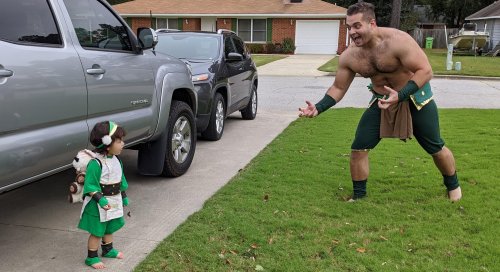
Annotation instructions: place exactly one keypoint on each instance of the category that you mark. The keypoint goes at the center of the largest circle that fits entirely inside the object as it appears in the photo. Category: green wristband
(410, 88)
(325, 103)
(103, 202)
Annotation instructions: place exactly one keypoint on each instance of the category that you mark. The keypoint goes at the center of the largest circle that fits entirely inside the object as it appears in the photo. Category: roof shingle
(492, 10)
(229, 7)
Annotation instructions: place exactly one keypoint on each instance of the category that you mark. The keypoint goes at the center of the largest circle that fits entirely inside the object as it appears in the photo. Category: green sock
(359, 189)
(451, 182)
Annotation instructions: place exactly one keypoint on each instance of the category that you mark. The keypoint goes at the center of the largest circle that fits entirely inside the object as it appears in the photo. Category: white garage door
(316, 37)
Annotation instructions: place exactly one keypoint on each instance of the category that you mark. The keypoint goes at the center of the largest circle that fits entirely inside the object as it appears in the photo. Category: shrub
(255, 48)
(270, 48)
(288, 45)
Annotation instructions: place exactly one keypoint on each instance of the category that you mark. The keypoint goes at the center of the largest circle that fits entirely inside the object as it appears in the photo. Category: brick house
(315, 26)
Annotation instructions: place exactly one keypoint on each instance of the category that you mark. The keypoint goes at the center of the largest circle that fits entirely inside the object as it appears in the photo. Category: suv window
(96, 26)
(240, 47)
(28, 21)
(189, 46)
(228, 46)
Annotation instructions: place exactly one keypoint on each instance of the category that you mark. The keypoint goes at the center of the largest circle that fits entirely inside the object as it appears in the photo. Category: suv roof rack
(164, 30)
(220, 31)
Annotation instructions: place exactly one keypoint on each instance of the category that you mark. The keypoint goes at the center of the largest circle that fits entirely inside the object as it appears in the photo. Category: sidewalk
(296, 65)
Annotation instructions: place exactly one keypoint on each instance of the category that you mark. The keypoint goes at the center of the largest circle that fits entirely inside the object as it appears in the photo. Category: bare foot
(120, 255)
(98, 265)
(455, 195)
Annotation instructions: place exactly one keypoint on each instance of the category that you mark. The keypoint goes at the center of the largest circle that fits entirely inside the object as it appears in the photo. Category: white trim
(243, 16)
(483, 18)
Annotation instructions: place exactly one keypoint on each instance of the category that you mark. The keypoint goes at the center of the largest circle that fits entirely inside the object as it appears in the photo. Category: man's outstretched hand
(384, 103)
(309, 111)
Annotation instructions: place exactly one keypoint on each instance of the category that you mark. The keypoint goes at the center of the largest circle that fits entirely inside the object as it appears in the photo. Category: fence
(439, 36)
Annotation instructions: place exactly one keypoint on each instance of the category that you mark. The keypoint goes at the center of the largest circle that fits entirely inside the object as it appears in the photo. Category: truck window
(96, 26)
(28, 21)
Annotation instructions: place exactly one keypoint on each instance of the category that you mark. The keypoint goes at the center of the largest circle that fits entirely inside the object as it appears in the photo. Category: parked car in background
(224, 75)
(66, 65)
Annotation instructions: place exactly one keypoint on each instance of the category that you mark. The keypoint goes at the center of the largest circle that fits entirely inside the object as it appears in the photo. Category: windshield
(189, 46)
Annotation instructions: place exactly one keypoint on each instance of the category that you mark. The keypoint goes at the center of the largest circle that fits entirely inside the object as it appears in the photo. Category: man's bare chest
(372, 65)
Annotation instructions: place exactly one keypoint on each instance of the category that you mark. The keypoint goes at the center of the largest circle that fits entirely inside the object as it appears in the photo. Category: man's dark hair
(367, 9)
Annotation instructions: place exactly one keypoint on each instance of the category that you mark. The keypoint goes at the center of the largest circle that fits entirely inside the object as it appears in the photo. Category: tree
(396, 14)
(454, 12)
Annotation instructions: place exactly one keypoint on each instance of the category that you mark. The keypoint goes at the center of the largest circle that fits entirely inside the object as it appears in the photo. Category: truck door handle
(6, 73)
(95, 70)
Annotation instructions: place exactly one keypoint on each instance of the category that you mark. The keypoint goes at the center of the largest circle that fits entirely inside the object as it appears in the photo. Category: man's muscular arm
(335, 93)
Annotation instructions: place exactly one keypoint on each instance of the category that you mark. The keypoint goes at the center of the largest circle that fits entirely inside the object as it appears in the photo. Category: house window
(252, 30)
(168, 23)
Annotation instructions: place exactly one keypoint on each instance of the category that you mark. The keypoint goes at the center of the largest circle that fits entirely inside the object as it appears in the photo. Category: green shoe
(92, 261)
(113, 253)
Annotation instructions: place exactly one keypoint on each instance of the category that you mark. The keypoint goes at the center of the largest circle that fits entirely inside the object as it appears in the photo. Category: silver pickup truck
(68, 64)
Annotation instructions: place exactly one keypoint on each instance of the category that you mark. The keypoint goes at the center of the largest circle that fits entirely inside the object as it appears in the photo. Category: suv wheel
(216, 124)
(181, 142)
(250, 111)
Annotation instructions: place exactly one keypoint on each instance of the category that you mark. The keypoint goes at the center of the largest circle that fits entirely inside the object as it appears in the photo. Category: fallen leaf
(351, 244)
(228, 262)
(336, 242)
(361, 249)
(383, 238)
(234, 252)
(254, 246)
(259, 268)
(270, 241)
(128, 214)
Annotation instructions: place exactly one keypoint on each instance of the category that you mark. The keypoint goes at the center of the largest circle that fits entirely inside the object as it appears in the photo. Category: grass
(471, 66)
(265, 59)
(286, 211)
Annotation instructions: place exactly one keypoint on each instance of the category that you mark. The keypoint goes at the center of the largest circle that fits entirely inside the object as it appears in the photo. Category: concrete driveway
(38, 227)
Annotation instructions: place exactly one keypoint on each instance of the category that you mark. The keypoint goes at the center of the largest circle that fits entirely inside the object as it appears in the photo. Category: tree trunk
(396, 14)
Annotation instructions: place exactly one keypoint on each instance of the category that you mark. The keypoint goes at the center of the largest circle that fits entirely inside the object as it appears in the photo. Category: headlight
(200, 77)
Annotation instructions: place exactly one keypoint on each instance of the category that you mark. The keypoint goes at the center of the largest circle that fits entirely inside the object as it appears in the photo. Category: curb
(453, 77)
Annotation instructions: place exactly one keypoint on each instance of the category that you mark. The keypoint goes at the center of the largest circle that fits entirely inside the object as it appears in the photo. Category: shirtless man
(400, 73)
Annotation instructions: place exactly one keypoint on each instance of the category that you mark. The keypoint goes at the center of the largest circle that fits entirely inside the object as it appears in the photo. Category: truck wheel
(181, 142)
(217, 117)
(250, 111)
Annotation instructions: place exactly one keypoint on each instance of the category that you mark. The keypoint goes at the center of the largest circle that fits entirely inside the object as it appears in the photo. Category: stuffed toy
(80, 164)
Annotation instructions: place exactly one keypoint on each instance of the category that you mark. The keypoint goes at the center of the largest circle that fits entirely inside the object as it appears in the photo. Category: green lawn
(471, 66)
(265, 59)
(286, 210)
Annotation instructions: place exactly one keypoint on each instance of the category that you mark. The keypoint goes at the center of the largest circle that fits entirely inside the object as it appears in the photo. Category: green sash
(423, 96)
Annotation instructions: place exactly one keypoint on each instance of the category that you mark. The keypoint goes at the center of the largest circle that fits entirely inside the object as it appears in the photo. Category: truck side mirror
(234, 56)
(147, 37)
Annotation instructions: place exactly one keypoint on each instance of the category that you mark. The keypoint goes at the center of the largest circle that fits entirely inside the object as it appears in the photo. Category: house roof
(231, 8)
(490, 12)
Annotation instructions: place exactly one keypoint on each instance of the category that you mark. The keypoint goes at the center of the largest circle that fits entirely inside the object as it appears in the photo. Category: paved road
(38, 227)
(287, 93)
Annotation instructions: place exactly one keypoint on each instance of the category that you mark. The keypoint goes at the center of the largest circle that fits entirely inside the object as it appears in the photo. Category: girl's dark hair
(100, 130)
(367, 9)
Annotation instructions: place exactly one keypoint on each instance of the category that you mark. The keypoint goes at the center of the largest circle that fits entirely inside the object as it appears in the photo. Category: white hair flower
(106, 140)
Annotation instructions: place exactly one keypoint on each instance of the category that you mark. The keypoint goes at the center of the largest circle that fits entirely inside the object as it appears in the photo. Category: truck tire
(217, 119)
(181, 140)
(250, 111)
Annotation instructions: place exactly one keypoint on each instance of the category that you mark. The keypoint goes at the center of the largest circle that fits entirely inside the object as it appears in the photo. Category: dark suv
(224, 75)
